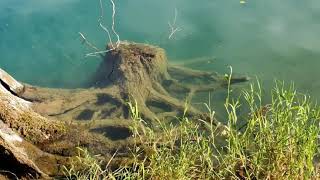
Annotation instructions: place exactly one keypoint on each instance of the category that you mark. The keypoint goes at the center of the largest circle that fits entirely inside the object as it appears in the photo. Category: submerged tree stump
(132, 72)
(50, 123)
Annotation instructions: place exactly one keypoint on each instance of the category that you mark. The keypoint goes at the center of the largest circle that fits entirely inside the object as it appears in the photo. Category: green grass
(277, 141)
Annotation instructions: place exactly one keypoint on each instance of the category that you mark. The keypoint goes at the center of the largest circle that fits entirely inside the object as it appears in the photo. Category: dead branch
(105, 29)
(173, 28)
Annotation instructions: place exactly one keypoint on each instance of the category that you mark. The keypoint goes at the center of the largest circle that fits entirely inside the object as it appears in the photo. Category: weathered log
(18, 156)
(36, 147)
(18, 115)
(9, 83)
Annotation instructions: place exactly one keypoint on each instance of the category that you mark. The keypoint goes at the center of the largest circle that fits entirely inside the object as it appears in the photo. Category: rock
(10, 83)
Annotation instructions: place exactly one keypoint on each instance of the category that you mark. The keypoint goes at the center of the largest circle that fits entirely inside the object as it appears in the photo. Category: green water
(39, 41)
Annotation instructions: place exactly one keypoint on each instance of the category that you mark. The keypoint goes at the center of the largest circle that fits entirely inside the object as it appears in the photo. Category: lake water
(40, 44)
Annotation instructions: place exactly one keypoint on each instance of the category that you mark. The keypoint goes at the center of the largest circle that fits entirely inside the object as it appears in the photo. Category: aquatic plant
(276, 141)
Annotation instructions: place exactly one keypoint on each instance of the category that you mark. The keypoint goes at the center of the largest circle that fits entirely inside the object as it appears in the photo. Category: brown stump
(49, 121)
(132, 72)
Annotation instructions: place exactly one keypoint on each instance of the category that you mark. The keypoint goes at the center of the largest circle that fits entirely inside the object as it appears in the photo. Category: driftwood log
(19, 158)
(40, 128)
(36, 147)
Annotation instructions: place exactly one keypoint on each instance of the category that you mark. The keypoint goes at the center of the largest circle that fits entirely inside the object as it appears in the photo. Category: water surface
(269, 39)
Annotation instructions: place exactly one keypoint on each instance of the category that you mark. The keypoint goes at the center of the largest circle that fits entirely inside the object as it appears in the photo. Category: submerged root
(132, 71)
(93, 117)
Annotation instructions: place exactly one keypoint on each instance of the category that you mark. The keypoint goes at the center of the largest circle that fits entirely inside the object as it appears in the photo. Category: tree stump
(48, 124)
(132, 72)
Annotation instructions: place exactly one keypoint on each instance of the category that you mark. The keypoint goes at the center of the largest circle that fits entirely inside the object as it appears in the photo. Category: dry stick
(84, 40)
(88, 43)
(108, 33)
(110, 40)
(83, 37)
(174, 29)
(104, 28)
(113, 20)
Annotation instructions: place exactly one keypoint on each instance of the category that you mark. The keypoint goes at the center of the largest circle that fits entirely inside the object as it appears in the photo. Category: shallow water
(269, 39)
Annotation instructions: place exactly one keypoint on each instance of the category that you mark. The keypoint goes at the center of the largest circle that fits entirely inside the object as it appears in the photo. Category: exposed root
(96, 115)
(132, 71)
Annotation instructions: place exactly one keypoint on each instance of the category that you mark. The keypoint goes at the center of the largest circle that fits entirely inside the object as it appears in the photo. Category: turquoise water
(39, 41)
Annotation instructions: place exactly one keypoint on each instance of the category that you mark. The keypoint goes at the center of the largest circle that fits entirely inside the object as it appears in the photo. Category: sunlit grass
(278, 141)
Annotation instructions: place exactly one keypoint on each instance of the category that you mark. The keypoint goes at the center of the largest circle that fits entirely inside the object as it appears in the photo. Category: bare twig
(108, 33)
(100, 20)
(99, 52)
(113, 20)
(104, 28)
(173, 28)
(85, 41)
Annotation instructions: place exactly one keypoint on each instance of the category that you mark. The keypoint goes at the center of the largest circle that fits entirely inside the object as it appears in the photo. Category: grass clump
(277, 141)
(84, 167)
